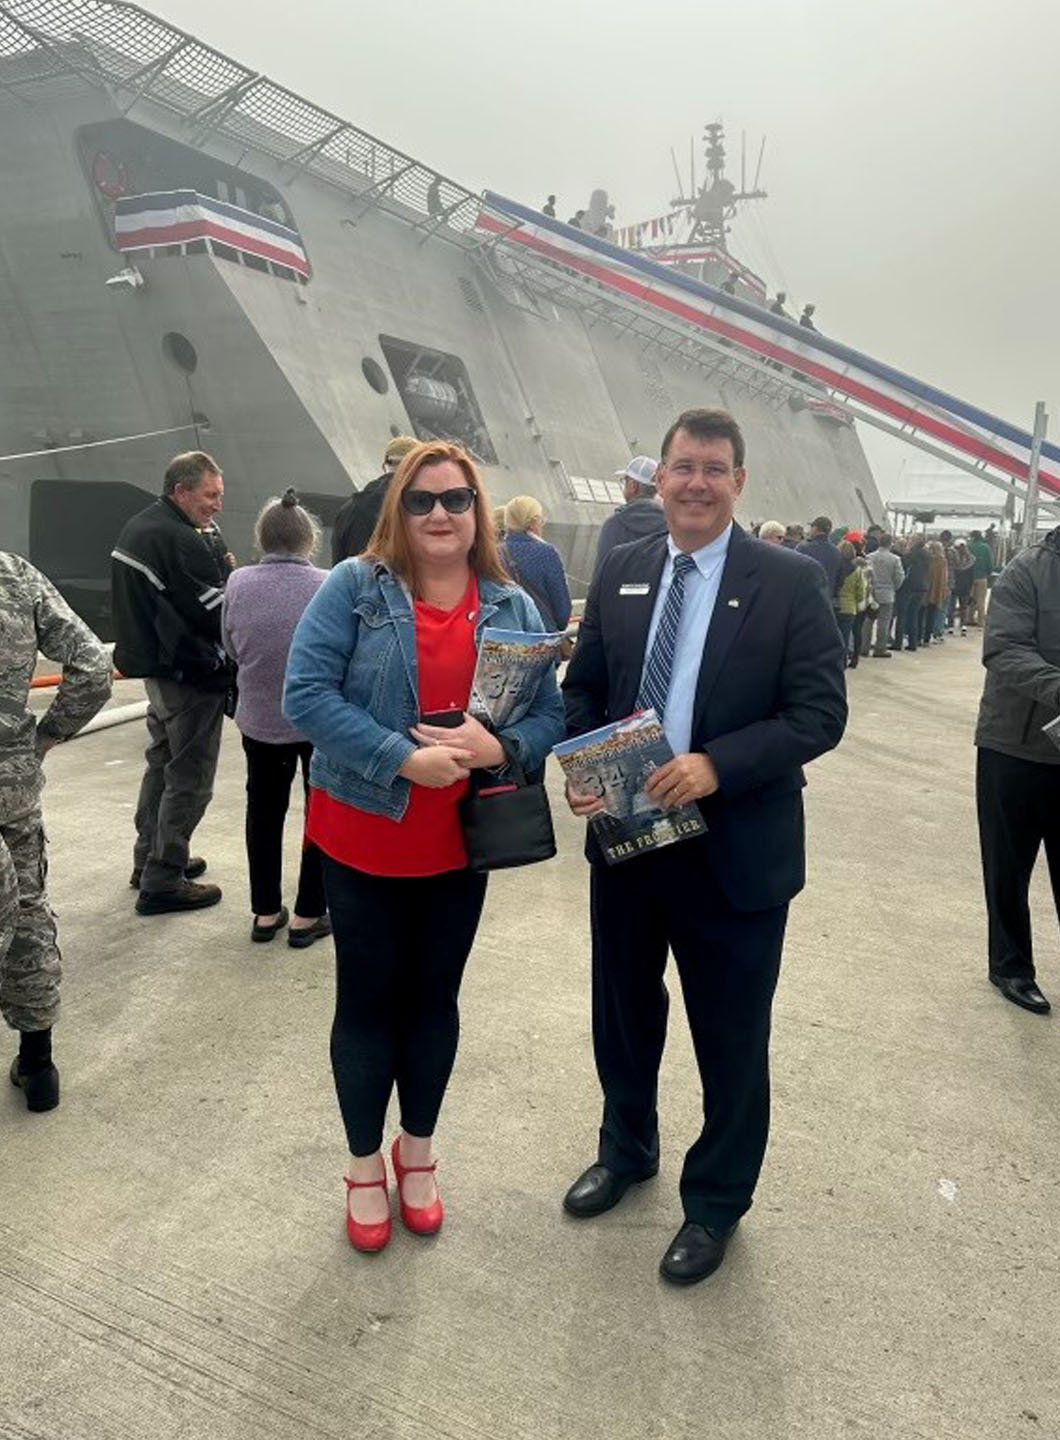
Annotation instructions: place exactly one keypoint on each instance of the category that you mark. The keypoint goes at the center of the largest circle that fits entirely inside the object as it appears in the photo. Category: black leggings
(400, 949)
(270, 773)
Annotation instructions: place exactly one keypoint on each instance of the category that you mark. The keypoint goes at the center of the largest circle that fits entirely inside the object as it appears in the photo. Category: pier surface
(172, 1254)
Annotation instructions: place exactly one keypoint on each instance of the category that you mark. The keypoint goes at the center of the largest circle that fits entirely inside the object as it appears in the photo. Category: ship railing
(141, 59)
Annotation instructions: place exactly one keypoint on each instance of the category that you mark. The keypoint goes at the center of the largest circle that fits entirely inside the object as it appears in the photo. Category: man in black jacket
(641, 515)
(168, 572)
(356, 520)
(1018, 770)
(664, 618)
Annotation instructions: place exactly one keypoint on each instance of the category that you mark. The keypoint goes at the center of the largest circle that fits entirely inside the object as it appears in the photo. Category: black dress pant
(728, 961)
(401, 945)
(270, 772)
(1019, 810)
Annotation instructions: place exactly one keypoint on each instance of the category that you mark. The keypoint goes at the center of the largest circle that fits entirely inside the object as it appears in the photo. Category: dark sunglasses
(453, 502)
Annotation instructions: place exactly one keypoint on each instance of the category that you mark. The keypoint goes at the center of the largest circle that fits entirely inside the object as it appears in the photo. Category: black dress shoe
(1022, 992)
(195, 867)
(300, 936)
(599, 1189)
(40, 1085)
(695, 1252)
(263, 933)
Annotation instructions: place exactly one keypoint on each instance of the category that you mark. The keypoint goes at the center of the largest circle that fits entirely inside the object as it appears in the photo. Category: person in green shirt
(984, 568)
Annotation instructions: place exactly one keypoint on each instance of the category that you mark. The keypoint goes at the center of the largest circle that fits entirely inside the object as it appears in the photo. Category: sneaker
(188, 896)
(195, 867)
(39, 1085)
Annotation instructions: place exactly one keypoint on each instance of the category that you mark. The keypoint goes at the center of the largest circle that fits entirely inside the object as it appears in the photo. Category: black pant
(1019, 808)
(184, 724)
(907, 619)
(400, 950)
(728, 961)
(270, 771)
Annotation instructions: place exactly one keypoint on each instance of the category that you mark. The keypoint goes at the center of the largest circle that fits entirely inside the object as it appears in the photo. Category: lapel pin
(734, 604)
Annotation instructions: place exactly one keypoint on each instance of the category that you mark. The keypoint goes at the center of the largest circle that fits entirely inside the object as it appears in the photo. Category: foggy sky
(910, 157)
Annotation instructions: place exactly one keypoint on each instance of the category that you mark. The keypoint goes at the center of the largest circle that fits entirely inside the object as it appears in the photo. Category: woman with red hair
(384, 653)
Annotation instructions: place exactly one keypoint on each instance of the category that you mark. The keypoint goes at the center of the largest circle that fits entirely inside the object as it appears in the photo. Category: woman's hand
(436, 765)
(481, 745)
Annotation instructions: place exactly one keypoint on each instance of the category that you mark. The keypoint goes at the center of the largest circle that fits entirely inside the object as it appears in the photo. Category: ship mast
(709, 210)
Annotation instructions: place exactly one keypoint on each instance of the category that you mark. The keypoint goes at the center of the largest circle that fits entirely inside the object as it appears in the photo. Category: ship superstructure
(191, 254)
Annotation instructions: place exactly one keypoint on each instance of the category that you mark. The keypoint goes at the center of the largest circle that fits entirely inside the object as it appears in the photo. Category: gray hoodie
(631, 522)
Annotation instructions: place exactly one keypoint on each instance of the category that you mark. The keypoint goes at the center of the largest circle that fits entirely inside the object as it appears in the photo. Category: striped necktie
(655, 686)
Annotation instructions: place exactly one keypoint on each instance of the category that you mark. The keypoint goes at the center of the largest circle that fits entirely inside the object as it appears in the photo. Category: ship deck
(171, 1245)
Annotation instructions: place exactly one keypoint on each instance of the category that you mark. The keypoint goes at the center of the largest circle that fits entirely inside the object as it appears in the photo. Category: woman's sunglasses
(453, 502)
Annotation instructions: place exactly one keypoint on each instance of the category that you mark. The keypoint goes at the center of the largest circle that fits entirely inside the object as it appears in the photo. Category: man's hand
(470, 735)
(583, 805)
(681, 780)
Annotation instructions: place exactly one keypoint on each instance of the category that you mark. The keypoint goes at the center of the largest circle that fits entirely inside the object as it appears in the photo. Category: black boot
(33, 1073)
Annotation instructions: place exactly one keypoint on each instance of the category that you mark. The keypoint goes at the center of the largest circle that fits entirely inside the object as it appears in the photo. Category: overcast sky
(911, 155)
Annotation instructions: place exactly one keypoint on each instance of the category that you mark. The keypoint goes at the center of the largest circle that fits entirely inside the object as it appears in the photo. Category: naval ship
(192, 255)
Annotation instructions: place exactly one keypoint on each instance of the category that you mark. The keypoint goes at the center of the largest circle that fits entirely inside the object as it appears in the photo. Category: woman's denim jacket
(351, 683)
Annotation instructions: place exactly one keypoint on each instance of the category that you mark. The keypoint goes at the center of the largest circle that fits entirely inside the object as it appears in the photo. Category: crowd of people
(892, 594)
(359, 679)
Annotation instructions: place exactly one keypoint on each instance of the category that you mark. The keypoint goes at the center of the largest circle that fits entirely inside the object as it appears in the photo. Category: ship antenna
(758, 167)
(677, 175)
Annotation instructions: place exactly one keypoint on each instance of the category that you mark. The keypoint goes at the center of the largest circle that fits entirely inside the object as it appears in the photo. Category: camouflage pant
(30, 967)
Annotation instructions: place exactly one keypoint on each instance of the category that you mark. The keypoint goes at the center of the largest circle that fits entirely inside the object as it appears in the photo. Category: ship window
(255, 262)
(437, 393)
(224, 252)
(179, 350)
(374, 373)
(195, 247)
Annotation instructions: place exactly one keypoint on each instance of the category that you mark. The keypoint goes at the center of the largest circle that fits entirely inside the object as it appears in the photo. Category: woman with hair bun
(262, 605)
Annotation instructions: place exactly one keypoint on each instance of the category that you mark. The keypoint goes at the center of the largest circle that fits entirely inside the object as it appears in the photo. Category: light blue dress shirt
(697, 608)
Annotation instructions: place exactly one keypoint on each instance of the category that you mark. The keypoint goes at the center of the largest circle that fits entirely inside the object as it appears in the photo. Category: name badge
(633, 589)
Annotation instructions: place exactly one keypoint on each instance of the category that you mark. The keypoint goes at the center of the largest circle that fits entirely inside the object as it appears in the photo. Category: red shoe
(367, 1238)
(420, 1219)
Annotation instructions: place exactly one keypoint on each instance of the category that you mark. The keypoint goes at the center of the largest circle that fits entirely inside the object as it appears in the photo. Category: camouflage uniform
(35, 618)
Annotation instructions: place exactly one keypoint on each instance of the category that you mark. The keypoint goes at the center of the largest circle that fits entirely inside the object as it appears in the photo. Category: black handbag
(506, 819)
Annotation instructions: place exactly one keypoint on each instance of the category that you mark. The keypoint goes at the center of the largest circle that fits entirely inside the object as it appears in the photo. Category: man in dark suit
(736, 645)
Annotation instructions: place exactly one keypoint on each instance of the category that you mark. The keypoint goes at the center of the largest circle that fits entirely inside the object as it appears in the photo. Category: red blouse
(427, 840)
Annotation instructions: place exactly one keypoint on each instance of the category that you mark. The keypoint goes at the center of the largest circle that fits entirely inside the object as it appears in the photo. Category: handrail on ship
(144, 58)
(868, 389)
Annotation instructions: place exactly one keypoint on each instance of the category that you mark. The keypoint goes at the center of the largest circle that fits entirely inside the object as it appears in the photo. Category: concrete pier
(172, 1254)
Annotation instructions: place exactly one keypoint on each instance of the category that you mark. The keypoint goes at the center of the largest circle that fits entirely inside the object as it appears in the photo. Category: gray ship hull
(278, 390)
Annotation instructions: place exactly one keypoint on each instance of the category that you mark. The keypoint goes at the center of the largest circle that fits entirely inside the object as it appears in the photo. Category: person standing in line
(963, 575)
(534, 564)
(983, 557)
(167, 583)
(850, 597)
(887, 575)
(735, 645)
(640, 515)
(820, 548)
(263, 603)
(944, 622)
(911, 594)
(387, 643)
(357, 519)
(35, 619)
(772, 532)
(933, 609)
(1018, 767)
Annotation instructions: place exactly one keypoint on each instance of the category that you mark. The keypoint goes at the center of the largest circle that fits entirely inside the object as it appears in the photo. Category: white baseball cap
(641, 468)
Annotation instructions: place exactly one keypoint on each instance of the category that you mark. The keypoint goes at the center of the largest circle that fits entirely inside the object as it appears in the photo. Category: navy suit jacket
(771, 696)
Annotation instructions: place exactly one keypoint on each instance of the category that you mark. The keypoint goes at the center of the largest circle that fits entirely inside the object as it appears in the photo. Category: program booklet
(614, 763)
(507, 673)
(1053, 731)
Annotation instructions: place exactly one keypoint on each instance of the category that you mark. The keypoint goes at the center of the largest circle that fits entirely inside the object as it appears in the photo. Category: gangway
(784, 355)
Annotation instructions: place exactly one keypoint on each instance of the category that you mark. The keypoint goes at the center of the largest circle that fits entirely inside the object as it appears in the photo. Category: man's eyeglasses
(454, 502)
(685, 469)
